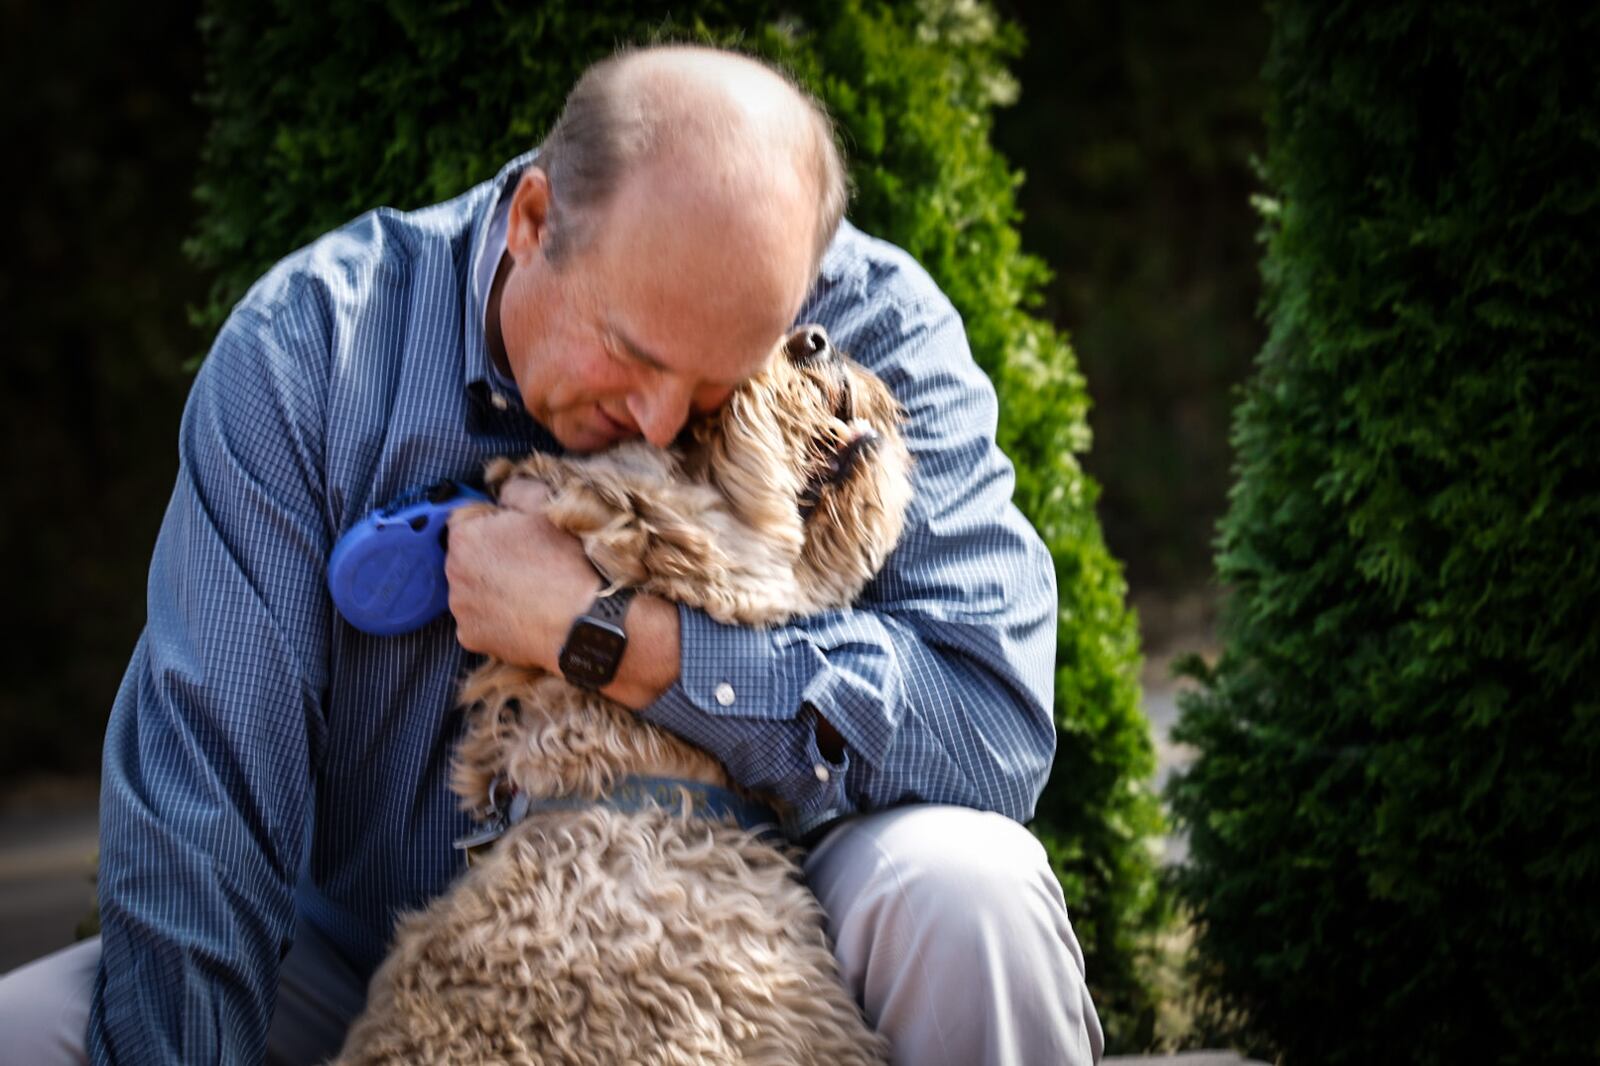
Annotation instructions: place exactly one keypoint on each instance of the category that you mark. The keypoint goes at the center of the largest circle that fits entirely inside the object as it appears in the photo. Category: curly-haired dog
(602, 929)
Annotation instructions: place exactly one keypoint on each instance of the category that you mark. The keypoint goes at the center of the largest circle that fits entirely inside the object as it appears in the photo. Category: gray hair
(605, 132)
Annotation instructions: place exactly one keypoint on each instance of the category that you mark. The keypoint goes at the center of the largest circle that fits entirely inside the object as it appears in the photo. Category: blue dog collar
(629, 795)
(633, 794)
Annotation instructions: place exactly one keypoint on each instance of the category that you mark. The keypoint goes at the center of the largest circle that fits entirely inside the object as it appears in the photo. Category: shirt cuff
(829, 803)
(736, 671)
(731, 671)
(734, 699)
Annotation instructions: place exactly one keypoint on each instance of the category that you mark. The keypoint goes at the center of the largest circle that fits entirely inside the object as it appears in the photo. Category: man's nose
(661, 411)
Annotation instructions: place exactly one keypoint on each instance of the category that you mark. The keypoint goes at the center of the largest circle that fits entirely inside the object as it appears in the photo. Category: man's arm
(517, 582)
(210, 749)
(940, 681)
(939, 684)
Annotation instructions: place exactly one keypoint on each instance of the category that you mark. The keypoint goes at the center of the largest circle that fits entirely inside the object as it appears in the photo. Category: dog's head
(811, 448)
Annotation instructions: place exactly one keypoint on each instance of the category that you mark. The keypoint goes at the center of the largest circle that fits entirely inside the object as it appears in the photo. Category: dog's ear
(676, 541)
(746, 455)
(677, 544)
(605, 524)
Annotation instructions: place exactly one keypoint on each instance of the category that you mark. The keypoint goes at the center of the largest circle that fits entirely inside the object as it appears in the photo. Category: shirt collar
(483, 271)
(488, 241)
(492, 397)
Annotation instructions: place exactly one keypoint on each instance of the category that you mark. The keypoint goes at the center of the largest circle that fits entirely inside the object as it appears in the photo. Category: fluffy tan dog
(592, 934)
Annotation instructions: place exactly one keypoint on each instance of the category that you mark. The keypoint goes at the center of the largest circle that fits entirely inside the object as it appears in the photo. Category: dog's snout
(807, 343)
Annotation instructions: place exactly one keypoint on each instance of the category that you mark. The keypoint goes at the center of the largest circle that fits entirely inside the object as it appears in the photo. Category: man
(275, 778)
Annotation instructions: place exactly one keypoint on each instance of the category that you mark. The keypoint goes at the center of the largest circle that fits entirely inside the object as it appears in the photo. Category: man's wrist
(569, 601)
(650, 665)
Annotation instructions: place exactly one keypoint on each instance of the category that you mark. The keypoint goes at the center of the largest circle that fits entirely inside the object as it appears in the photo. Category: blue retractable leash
(387, 571)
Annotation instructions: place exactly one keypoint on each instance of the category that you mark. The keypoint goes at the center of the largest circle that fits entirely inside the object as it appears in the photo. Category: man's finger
(467, 512)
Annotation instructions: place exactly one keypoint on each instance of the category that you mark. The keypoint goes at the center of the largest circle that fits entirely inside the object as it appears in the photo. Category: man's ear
(528, 224)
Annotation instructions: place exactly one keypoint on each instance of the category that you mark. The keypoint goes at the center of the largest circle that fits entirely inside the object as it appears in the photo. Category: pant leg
(319, 995)
(44, 1006)
(952, 932)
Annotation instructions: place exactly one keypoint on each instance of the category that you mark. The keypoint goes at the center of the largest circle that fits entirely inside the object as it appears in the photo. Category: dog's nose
(806, 344)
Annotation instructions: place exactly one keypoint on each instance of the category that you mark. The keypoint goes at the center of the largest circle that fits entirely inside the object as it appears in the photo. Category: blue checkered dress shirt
(265, 761)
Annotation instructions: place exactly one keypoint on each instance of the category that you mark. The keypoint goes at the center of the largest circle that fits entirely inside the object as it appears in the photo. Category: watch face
(592, 652)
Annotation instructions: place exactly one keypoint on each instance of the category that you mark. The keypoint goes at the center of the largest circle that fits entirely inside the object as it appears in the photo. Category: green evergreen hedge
(324, 110)
(1395, 816)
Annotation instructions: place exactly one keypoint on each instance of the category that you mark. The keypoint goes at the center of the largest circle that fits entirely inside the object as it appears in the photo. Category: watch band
(611, 608)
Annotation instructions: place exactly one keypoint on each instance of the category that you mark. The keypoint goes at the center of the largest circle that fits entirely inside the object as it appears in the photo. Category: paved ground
(47, 848)
(1161, 707)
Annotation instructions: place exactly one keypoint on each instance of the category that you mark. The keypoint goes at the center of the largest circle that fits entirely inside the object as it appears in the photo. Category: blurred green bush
(324, 110)
(1394, 819)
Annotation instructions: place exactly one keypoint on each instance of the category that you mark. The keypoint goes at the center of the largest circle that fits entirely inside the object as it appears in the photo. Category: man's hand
(517, 582)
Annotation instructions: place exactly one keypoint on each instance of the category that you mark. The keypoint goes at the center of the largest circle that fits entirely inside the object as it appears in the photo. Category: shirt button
(725, 694)
(821, 772)
(498, 401)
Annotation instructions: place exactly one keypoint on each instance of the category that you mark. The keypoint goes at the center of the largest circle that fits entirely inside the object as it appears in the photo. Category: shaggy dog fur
(593, 935)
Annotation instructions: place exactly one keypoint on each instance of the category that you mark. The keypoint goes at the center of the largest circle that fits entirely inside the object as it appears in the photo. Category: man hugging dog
(276, 784)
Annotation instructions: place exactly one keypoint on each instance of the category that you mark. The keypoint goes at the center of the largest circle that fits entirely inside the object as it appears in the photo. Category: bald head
(742, 139)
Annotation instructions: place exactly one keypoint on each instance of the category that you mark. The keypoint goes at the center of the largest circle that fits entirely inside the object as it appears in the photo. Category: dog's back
(600, 936)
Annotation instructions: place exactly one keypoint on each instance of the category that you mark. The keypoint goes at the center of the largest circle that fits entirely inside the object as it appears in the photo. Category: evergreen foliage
(1395, 816)
(323, 110)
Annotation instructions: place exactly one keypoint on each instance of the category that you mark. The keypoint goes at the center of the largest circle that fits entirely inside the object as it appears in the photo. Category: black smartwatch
(596, 641)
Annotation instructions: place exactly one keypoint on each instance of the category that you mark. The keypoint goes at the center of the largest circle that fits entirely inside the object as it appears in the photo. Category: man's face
(659, 317)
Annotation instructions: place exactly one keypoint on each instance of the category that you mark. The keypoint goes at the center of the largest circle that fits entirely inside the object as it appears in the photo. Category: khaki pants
(948, 924)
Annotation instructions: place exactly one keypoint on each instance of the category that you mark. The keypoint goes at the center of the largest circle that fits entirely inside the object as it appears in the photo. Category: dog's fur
(591, 935)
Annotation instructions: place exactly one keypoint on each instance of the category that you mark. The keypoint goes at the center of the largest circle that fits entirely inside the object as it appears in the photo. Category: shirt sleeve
(212, 740)
(940, 679)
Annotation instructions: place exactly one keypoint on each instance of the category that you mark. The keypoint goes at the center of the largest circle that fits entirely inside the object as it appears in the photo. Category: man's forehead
(696, 321)
(697, 286)
(747, 236)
